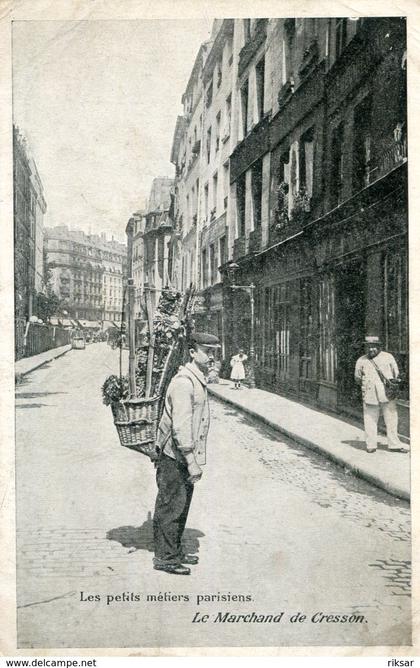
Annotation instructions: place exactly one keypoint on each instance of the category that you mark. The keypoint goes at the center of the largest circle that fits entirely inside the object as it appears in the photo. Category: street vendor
(181, 441)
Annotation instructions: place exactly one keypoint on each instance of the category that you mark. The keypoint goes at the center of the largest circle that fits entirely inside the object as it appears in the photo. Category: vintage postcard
(211, 326)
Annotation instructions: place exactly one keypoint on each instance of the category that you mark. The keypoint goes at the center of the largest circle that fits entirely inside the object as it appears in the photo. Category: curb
(390, 488)
(41, 363)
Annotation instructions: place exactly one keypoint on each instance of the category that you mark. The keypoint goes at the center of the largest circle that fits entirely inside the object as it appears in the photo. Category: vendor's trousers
(371, 416)
(171, 510)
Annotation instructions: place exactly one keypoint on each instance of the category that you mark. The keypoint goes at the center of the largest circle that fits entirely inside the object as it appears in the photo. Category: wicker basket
(136, 421)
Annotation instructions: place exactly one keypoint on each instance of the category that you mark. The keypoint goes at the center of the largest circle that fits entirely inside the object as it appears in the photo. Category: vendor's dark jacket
(185, 421)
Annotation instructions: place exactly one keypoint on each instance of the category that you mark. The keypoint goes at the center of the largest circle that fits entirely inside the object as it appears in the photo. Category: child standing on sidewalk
(238, 371)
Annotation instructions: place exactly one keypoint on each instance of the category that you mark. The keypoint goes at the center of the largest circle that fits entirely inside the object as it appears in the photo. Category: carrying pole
(149, 368)
(131, 319)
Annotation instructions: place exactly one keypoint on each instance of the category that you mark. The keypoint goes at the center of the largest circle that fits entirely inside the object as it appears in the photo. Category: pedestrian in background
(238, 370)
(377, 372)
(181, 441)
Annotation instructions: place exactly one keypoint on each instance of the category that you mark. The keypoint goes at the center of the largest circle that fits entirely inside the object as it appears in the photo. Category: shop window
(276, 318)
(282, 318)
(260, 80)
(257, 175)
(362, 143)
(306, 329)
(395, 271)
(327, 344)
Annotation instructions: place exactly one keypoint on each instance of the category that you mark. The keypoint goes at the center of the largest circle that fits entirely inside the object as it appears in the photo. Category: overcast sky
(98, 101)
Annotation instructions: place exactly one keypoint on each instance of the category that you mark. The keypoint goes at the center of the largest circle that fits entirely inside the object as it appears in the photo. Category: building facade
(330, 262)
(137, 221)
(28, 213)
(186, 155)
(158, 230)
(88, 274)
(315, 211)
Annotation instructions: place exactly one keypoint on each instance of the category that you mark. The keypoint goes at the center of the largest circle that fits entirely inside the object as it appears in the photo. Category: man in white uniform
(374, 397)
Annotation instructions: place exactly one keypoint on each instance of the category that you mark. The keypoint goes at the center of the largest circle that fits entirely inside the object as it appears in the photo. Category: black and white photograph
(211, 332)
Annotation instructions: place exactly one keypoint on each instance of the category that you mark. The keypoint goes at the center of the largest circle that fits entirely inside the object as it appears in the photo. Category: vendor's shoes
(190, 559)
(173, 569)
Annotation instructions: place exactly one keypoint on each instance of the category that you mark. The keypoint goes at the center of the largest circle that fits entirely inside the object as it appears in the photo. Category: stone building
(330, 260)
(158, 230)
(28, 213)
(218, 76)
(88, 274)
(186, 155)
(316, 209)
(138, 225)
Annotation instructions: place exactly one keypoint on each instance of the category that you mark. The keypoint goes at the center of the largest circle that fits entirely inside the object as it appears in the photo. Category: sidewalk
(336, 439)
(28, 364)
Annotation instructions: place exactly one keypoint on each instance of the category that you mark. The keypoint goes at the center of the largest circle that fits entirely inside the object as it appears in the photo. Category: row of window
(221, 131)
(211, 258)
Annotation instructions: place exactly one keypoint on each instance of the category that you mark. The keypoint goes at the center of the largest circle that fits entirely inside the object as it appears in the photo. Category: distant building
(87, 273)
(29, 210)
(158, 229)
(137, 224)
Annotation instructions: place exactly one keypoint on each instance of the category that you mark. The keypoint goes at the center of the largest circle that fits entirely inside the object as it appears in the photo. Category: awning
(108, 324)
(89, 324)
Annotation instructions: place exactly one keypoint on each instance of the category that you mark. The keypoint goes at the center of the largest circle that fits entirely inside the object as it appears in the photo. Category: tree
(48, 305)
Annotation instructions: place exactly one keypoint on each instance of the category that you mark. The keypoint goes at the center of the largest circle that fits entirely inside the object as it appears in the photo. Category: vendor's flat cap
(204, 339)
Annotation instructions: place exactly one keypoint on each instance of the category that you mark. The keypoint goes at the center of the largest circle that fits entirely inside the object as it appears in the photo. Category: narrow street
(272, 522)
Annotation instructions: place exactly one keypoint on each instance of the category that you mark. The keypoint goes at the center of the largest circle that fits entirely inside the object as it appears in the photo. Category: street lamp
(249, 289)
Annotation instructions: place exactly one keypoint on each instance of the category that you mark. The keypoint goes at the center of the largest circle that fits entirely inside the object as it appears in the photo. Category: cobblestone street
(270, 520)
